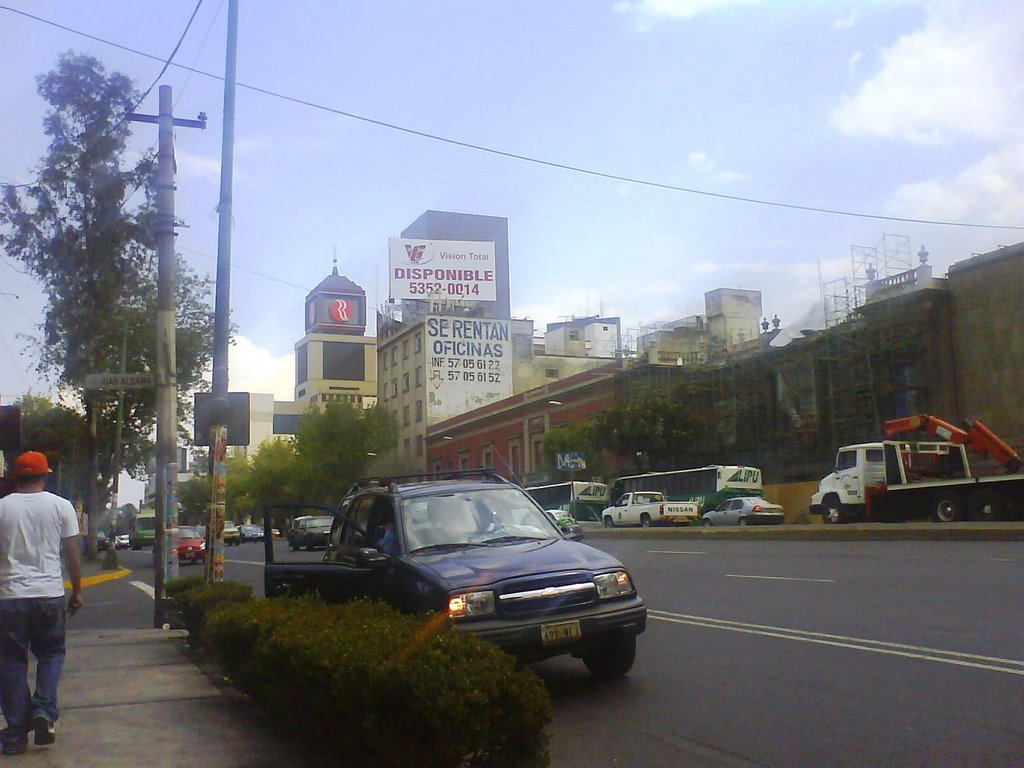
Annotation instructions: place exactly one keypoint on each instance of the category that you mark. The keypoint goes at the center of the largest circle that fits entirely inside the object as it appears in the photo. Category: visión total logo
(416, 253)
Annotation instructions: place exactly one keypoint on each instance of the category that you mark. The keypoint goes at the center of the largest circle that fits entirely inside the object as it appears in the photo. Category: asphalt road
(767, 653)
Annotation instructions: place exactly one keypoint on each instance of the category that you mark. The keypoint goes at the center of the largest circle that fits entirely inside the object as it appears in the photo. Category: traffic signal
(10, 428)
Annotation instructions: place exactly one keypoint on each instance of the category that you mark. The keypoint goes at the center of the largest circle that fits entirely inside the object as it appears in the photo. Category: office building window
(417, 344)
(574, 335)
(405, 415)
(405, 349)
(419, 445)
(394, 387)
(551, 373)
(406, 444)
(405, 382)
(419, 410)
(394, 355)
(419, 374)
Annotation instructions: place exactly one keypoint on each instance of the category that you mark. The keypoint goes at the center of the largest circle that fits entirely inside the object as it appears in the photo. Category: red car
(191, 546)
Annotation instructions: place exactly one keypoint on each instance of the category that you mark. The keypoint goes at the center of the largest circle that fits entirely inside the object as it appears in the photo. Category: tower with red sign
(335, 360)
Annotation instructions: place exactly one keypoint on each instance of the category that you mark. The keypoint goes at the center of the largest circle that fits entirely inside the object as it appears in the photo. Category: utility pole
(165, 555)
(222, 316)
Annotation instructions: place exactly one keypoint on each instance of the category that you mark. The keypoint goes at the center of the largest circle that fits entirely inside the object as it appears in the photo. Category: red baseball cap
(31, 463)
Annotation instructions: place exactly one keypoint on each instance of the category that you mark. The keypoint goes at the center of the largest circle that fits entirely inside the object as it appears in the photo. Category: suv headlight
(613, 584)
(471, 604)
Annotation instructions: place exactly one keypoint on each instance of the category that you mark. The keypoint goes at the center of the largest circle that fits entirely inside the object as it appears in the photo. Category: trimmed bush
(181, 584)
(192, 602)
(371, 686)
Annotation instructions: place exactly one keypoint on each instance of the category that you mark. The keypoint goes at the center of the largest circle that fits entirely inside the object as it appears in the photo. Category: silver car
(744, 510)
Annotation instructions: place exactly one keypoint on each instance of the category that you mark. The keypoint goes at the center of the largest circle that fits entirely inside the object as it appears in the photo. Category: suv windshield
(483, 517)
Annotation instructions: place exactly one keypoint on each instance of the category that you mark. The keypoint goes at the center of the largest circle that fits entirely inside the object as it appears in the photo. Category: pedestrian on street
(36, 526)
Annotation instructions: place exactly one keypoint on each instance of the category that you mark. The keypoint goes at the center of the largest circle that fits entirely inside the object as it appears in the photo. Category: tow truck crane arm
(976, 437)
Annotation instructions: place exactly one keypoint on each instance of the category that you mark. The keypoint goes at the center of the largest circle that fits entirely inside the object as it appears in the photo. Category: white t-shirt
(32, 527)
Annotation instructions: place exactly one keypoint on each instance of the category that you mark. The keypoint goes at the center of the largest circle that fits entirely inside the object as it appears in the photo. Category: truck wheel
(608, 522)
(831, 511)
(612, 660)
(948, 508)
(645, 520)
(986, 505)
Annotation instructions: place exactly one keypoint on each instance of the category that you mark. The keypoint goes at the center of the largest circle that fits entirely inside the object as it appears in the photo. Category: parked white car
(745, 510)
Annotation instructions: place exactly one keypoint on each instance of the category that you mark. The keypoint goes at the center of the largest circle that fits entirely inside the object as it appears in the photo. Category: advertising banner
(469, 364)
(571, 461)
(441, 269)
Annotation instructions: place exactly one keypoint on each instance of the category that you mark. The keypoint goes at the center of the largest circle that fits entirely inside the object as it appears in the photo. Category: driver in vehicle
(386, 542)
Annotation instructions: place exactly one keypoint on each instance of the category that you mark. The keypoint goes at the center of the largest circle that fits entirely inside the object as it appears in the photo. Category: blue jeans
(35, 623)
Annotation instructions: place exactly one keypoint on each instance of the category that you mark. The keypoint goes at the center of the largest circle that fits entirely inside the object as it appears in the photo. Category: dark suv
(479, 549)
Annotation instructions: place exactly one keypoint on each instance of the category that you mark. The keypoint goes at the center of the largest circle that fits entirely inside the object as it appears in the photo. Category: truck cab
(841, 494)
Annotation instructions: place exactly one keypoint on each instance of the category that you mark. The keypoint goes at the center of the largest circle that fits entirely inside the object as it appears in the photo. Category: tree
(571, 437)
(194, 500)
(94, 257)
(333, 447)
(655, 432)
(61, 434)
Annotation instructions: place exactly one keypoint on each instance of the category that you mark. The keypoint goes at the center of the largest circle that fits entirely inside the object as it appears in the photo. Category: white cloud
(197, 166)
(646, 12)
(707, 167)
(958, 76)
(855, 58)
(255, 369)
(990, 191)
(846, 21)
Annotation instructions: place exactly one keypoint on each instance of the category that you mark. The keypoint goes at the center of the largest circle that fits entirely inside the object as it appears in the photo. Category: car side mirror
(369, 557)
(572, 532)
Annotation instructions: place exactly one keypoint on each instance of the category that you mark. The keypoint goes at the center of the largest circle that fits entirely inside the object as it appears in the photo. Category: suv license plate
(558, 633)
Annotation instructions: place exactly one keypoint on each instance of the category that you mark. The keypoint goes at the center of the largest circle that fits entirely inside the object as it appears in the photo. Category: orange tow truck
(901, 479)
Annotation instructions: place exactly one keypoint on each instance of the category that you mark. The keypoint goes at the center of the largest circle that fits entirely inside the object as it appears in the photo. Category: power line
(235, 266)
(527, 158)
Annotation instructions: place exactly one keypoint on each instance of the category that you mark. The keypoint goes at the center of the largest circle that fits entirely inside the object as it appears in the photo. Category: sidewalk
(134, 698)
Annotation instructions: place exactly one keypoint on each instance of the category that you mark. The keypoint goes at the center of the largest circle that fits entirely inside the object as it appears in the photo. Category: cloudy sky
(896, 108)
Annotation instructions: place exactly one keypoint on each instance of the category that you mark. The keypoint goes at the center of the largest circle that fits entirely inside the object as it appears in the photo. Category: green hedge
(191, 599)
(367, 685)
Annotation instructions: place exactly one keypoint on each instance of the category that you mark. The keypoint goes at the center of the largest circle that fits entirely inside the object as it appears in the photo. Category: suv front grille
(524, 599)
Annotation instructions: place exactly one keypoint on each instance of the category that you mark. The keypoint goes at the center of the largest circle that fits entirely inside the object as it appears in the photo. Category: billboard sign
(571, 461)
(469, 364)
(441, 269)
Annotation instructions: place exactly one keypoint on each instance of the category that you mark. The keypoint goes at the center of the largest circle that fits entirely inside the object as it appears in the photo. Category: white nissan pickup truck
(647, 508)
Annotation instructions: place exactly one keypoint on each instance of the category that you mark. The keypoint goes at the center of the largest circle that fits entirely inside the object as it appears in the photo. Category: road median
(811, 532)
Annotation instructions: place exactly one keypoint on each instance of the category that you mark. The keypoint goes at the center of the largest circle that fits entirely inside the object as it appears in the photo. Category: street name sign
(119, 380)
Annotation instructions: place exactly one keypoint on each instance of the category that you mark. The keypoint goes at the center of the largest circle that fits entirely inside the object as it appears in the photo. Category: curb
(851, 532)
(90, 581)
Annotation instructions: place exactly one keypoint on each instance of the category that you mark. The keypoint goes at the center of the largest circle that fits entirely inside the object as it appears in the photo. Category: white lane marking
(144, 587)
(777, 578)
(673, 552)
(244, 562)
(842, 641)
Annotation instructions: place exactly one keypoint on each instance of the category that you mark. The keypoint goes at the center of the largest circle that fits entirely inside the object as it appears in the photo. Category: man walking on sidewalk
(35, 527)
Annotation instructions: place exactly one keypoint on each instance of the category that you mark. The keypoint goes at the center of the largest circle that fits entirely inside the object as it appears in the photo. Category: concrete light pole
(221, 320)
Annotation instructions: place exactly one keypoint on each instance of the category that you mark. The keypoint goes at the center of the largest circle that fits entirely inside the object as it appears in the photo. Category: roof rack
(426, 477)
